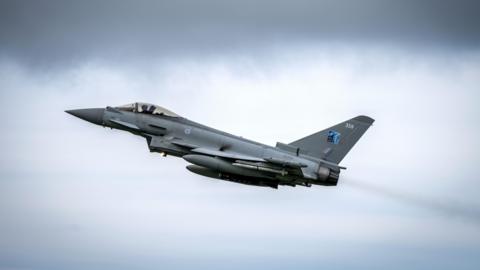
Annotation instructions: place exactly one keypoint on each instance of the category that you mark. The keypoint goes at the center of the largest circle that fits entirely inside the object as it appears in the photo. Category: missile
(221, 165)
(231, 178)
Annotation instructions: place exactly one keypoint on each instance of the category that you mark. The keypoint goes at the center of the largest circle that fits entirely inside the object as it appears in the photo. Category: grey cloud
(76, 196)
(50, 31)
(65, 203)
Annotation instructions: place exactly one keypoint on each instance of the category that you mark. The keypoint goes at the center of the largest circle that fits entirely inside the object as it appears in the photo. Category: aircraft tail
(334, 143)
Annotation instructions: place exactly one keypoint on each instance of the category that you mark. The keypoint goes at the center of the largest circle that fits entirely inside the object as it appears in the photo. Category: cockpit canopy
(147, 108)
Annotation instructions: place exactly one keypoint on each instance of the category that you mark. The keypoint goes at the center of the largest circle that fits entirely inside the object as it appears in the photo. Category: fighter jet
(312, 160)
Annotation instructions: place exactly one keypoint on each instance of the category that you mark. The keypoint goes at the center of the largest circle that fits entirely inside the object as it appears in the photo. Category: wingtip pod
(364, 119)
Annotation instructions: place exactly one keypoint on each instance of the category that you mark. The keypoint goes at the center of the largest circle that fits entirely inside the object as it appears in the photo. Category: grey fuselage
(159, 130)
(218, 154)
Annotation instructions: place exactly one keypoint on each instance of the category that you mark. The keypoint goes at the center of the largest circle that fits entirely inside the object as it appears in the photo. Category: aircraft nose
(94, 115)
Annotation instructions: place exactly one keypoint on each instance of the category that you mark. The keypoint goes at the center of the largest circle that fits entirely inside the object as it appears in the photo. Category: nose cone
(94, 115)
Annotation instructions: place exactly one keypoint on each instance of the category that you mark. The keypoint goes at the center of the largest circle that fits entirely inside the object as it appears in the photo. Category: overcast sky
(77, 196)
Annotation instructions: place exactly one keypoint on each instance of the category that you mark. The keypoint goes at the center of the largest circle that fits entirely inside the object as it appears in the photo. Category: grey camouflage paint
(217, 154)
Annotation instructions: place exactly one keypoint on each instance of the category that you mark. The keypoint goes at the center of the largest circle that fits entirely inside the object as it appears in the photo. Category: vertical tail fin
(334, 143)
